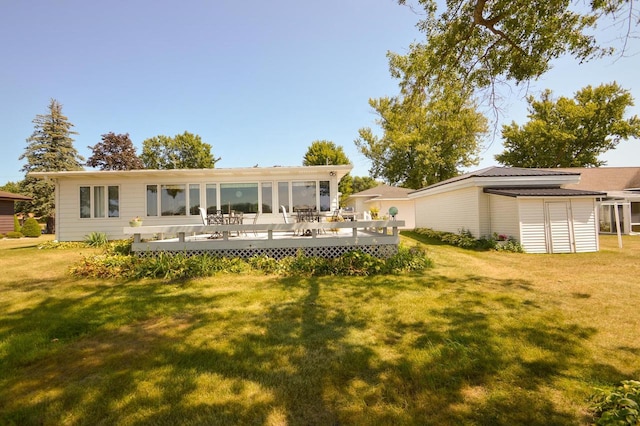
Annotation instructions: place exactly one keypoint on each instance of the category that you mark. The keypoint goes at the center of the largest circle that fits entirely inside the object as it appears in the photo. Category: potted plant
(136, 221)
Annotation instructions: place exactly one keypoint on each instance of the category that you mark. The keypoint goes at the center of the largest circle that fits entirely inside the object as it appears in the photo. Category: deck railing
(262, 237)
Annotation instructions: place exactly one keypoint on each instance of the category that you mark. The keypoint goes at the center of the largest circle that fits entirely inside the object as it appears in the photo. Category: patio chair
(286, 218)
(255, 220)
(203, 215)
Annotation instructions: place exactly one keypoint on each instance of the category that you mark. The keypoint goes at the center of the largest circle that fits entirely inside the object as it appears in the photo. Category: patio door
(559, 227)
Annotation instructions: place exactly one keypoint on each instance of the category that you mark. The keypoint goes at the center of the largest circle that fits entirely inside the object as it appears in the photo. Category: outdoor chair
(286, 218)
(255, 220)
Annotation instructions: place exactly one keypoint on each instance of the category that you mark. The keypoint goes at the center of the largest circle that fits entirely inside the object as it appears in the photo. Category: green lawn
(482, 338)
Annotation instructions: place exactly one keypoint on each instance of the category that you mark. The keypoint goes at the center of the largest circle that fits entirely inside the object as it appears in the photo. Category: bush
(172, 266)
(61, 245)
(96, 239)
(618, 406)
(16, 223)
(14, 234)
(31, 228)
(465, 239)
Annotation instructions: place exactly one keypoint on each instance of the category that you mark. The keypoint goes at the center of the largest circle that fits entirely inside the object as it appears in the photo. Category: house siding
(532, 225)
(6, 216)
(585, 225)
(504, 214)
(450, 211)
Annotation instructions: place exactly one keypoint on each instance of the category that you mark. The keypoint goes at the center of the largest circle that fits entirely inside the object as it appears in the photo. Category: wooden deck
(324, 239)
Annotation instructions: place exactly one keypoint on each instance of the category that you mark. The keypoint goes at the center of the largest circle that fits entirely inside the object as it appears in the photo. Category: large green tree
(114, 152)
(323, 152)
(425, 139)
(480, 42)
(185, 151)
(50, 148)
(570, 132)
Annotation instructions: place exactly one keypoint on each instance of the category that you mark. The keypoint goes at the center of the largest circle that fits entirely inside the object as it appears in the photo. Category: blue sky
(259, 81)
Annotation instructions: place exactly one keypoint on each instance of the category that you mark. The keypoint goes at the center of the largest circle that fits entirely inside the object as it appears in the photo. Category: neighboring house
(383, 197)
(7, 209)
(622, 188)
(105, 201)
(534, 206)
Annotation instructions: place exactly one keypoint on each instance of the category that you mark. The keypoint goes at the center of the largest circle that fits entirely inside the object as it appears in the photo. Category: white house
(382, 198)
(531, 205)
(105, 201)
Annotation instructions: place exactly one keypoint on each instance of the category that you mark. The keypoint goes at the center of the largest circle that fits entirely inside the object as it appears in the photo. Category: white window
(99, 201)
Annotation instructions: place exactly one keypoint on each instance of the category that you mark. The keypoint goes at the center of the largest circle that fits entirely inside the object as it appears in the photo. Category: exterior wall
(585, 225)
(132, 196)
(532, 225)
(450, 211)
(6, 216)
(534, 231)
(504, 216)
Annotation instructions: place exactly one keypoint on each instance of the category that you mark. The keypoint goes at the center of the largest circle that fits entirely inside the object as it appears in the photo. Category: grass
(482, 338)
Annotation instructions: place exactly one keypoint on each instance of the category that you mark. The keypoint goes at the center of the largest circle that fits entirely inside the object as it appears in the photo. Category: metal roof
(543, 192)
(495, 171)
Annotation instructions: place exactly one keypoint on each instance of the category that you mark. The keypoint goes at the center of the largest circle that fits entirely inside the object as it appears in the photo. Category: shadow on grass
(327, 351)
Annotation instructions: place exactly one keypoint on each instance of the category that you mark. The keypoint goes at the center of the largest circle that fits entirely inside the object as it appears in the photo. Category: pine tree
(49, 148)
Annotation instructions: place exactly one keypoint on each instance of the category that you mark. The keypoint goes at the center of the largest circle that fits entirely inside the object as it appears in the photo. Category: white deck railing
(265, 235)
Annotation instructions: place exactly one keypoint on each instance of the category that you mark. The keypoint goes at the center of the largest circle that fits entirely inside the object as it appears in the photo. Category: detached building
(534, 206)
(7, 209)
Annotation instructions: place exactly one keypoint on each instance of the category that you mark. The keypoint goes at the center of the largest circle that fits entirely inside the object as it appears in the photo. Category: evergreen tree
(49, 148)
(114, 152)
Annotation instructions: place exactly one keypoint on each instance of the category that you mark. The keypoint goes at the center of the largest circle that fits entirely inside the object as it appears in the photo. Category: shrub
(31, 228)
(618, 406)
(96, 239)
(16, 223)
(54, 244)
(173, 266)
(14, 234)
(465, 239)
(120, 247)
(105, 266)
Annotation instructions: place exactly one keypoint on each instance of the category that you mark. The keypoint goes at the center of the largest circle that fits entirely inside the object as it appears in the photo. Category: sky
(259, 81)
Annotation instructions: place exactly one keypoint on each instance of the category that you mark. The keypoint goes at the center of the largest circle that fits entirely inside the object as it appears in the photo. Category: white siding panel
(532, 229)
(484, 209)
(504, 216)
(560, 229)
(450, 211)
(585, 225)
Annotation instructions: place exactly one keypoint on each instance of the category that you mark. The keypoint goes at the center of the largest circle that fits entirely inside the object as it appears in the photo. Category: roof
(384, 191)
(10, 196)
(543, 192)
(504, 172)
(336, 170)
(606, 178)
